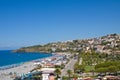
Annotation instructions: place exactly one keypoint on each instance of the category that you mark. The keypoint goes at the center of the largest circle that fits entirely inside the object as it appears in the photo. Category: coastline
(18, 69)
(11, 59)
(10, 66)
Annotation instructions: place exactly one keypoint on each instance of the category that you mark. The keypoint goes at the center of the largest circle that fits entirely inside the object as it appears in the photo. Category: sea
(8, 57)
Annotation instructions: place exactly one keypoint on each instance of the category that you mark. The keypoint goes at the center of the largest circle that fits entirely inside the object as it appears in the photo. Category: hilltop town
(105, 44)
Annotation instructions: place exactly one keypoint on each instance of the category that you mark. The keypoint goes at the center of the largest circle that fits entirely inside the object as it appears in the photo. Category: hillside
(105, 44)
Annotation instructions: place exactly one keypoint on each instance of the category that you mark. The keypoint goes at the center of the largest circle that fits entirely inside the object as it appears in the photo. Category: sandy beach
(9, 74)
(25, 68)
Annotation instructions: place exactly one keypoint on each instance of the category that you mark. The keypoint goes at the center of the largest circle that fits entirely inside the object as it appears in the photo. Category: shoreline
(19, 69)
(10, 66)
(18, 57)
(20, 63)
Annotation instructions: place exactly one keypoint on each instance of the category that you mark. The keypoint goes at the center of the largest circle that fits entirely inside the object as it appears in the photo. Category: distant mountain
(105, 44)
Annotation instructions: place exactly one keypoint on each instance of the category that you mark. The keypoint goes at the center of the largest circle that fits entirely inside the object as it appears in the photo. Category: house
(46, 72)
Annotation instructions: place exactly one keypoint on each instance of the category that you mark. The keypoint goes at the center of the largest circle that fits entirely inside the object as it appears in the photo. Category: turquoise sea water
(7, 57)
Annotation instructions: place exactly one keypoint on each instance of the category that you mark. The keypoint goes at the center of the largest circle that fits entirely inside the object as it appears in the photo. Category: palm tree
(57, 72)
(75, 76)
(69, 72)
(64, 78)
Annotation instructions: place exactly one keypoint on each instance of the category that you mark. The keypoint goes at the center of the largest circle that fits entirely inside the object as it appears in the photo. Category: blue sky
(32, 22)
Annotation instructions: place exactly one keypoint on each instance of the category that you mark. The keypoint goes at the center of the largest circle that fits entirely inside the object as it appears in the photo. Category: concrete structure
(46, 72)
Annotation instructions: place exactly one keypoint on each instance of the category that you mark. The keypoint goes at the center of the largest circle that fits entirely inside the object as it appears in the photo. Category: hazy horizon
(33, 22)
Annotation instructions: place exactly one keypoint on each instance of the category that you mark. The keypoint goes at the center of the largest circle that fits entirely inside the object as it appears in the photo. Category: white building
(46, 72)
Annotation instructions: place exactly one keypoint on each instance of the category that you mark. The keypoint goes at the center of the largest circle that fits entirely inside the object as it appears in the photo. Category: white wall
(45, 76)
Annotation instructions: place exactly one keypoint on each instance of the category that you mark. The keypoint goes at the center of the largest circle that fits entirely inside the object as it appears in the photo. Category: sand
(16, 71)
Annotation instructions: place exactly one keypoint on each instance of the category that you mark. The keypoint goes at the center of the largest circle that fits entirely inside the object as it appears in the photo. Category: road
(69, 66)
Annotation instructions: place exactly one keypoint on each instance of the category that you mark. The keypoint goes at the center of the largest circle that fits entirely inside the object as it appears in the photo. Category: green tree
(75, 76)
(81, 68)
(57, 72)
(102, 70)
(76, 66)
(69, 72)
(62, 66)
(64, 78)
(110, 66)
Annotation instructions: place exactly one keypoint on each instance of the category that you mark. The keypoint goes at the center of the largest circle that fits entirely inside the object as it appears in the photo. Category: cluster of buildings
(105, 44)
(51, 62)
(48, 64)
